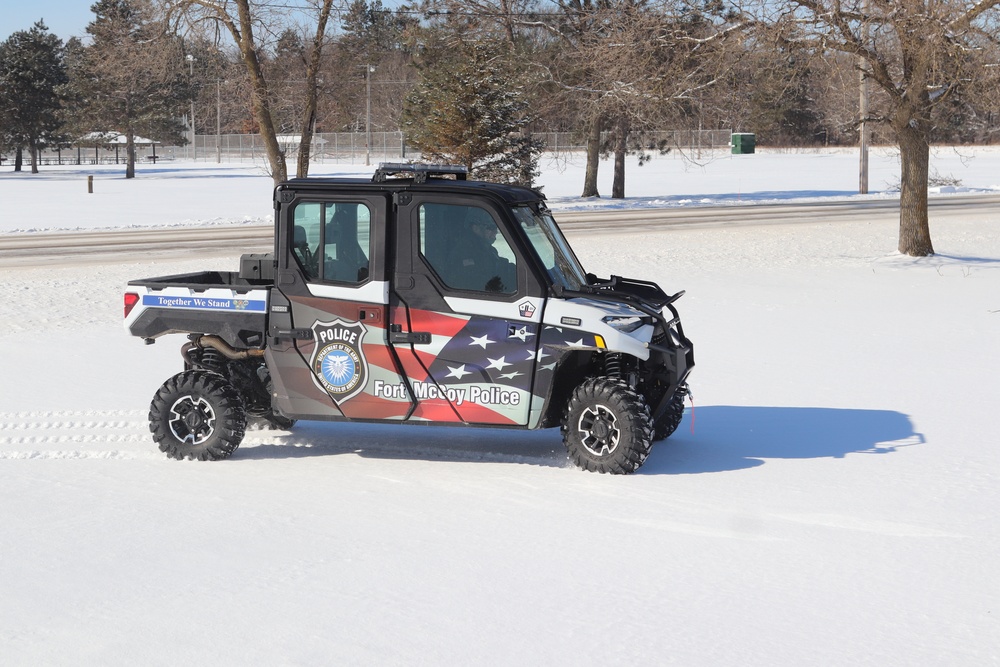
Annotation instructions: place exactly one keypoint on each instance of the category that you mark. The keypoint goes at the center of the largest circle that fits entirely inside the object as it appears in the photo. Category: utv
(418, 296)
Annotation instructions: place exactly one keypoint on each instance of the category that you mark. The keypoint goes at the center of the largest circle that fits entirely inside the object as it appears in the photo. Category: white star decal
(521, 334)
(510, 376)
(578, 343)
(498, 364)
(458, 373)
(548, 367)
(481, 341)
(539, 355)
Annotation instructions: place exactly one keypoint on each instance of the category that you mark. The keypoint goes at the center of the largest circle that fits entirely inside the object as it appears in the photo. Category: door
(328, 337)
(464, 312)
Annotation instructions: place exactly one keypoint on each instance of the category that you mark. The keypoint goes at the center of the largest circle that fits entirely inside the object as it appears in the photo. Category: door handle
(294, 334)
(399, 337)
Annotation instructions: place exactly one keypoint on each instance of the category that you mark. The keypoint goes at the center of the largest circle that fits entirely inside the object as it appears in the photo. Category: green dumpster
(743, 143)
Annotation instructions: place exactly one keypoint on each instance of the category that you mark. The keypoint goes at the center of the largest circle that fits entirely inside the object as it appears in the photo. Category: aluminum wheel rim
(192, 420)
(599, 430)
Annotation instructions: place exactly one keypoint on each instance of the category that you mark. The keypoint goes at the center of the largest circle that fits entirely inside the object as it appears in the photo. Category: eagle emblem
(338, 361)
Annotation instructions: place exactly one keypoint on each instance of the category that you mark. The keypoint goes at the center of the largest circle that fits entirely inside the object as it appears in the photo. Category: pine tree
(370, 30)
(470, 108)
(32, 70)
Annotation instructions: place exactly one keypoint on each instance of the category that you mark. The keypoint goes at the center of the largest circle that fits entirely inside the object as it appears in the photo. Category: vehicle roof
(510, 194)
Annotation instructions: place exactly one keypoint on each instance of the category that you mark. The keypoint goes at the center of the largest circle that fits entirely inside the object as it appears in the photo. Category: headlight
(626, 324)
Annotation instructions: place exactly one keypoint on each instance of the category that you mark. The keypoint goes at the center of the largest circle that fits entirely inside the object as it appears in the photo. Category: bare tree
(241, 19)
(376, 38)
(313, 61)
(129, 80)
(223, 92)
(920, 53)
(574, 25)
(769, 87)
(635, 63)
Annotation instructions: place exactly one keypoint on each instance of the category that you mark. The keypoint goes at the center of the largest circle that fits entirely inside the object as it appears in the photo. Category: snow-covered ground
(204, 193)
(832, 499)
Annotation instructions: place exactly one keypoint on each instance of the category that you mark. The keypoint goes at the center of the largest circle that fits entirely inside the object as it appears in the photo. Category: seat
(302, 250)
(349, 263)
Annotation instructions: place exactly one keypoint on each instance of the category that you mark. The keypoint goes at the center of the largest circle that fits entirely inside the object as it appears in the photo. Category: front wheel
(607, 427)
(671, 419)
(197, 415)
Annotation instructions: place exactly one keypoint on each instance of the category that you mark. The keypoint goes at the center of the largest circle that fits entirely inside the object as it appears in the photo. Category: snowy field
(831, 500)
(204, 193)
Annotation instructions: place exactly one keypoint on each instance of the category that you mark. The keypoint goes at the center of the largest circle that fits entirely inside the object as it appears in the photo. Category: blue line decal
(204, 303)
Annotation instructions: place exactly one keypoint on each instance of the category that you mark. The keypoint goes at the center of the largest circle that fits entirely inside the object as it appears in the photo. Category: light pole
(863, 131)
(218, 121)
(194, 148)
(370, 69)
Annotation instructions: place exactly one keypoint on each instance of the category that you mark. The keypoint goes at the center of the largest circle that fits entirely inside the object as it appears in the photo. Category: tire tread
(231, 416)
(637, 433)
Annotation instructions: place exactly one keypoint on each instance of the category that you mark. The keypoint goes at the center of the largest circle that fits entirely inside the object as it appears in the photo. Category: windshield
(550, 245)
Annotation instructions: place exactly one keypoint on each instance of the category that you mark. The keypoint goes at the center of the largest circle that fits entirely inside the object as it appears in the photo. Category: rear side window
(331, 242)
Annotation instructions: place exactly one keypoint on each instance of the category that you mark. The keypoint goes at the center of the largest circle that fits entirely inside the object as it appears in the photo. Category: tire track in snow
(124, 435)
(88, 434)
(73, 435)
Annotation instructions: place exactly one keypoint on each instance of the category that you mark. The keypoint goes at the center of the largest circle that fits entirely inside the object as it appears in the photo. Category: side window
(306, 238)
(347, 242)
(332, 241)
(464, 246)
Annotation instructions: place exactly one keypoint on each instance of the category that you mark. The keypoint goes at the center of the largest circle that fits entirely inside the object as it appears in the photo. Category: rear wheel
(607, 427)
(197, 415)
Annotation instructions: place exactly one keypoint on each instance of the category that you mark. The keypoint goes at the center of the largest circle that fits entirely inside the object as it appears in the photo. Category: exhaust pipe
(224, 348)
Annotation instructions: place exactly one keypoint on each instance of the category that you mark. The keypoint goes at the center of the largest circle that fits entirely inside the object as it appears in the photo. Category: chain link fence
(353, 148)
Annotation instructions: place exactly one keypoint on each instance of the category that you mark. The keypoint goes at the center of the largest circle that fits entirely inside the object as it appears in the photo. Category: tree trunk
(526, 175)
(129, 155)
(33, 151)
(18, 159)
(312, 94)
(914, 229)
(261, 106)
(305, 143)
(593, 158)
(621, 148)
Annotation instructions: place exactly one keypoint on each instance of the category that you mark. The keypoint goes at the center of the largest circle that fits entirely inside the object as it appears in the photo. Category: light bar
(418, 171)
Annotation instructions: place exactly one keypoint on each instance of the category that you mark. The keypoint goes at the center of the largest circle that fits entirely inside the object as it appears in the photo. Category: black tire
(197, 415)
(671, 419)
(607, 427)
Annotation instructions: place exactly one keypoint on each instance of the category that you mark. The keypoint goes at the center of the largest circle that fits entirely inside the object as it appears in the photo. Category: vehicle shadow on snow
(740, 437)
(725, 438)
(407, 442)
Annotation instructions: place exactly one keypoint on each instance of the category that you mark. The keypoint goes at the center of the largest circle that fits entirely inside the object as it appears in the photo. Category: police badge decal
(338, 361)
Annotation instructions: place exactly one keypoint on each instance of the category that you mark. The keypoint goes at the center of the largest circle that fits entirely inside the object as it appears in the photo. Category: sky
(64, 18)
